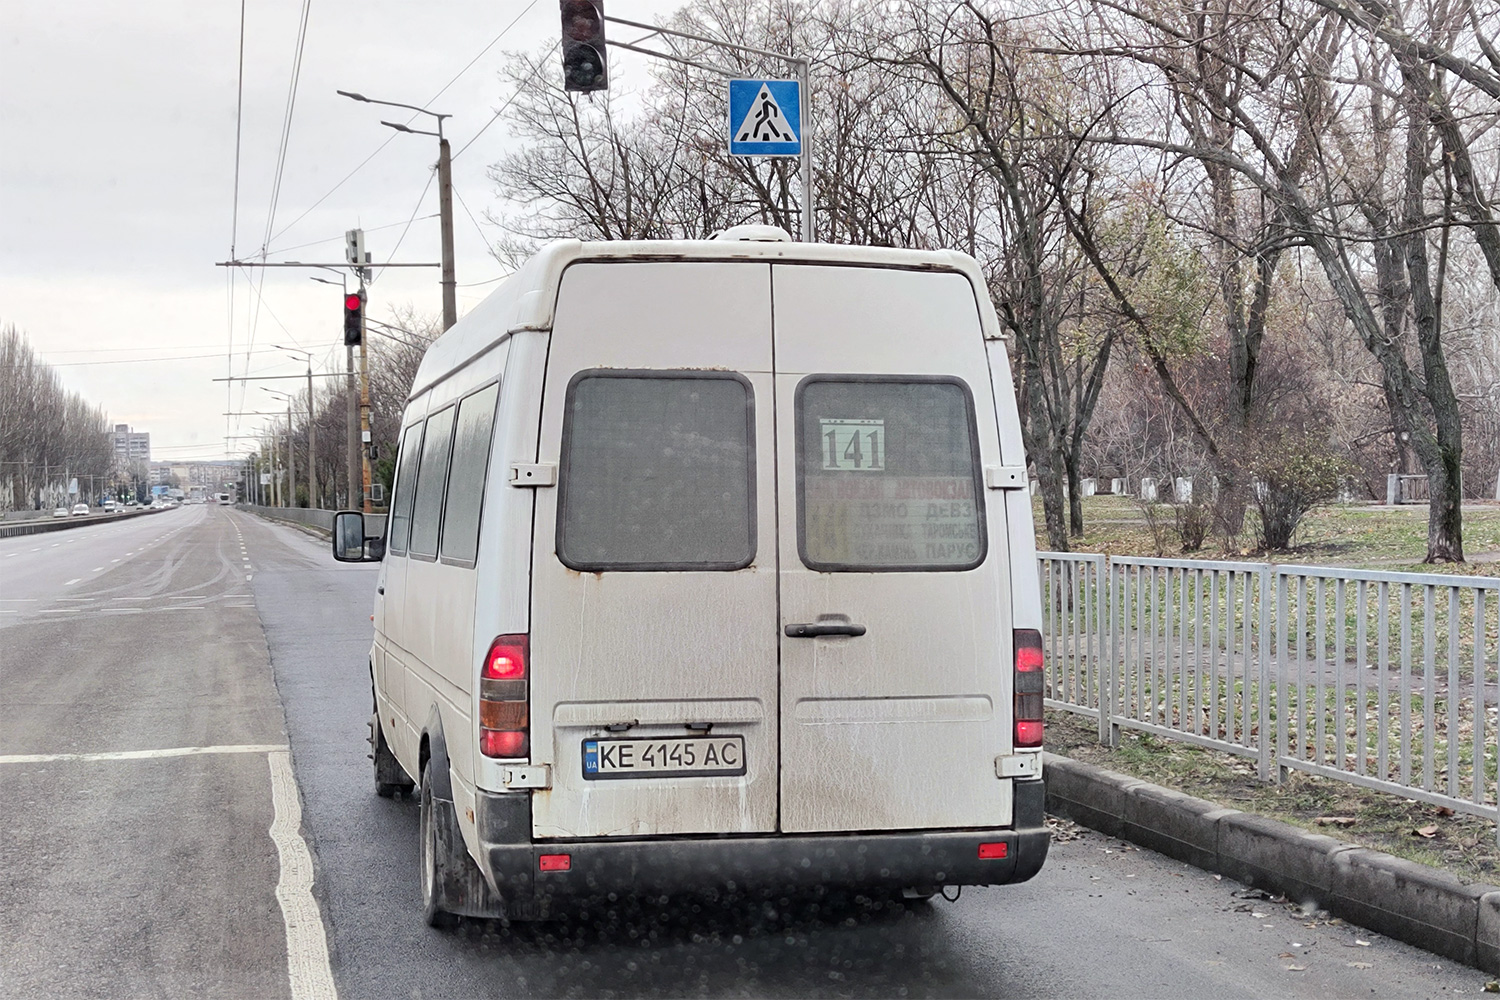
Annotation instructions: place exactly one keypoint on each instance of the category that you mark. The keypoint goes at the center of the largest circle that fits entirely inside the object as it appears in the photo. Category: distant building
(131, 446)
(210, 475)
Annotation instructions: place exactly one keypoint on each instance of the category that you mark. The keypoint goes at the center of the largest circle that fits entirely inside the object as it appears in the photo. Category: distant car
(109, 506)
(80, 509)
(60, 512)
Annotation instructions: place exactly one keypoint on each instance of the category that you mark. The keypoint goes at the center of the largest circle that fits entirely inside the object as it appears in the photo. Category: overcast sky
(117, 166)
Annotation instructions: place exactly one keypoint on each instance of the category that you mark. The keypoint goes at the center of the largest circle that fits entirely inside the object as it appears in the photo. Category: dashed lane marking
(72, 581)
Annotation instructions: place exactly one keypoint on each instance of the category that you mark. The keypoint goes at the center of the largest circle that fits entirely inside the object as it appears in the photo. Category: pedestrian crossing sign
(765, 118)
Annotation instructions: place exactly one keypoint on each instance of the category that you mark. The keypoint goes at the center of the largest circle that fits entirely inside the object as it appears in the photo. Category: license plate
(690, 757)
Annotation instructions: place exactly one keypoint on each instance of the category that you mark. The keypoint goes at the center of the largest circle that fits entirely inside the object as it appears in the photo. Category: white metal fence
(1386, 680)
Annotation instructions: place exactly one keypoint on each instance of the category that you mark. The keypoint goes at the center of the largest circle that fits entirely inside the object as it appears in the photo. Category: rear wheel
(389, 777)
(431, 854)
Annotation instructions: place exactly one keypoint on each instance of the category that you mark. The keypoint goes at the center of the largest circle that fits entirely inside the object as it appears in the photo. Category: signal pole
(364, 400)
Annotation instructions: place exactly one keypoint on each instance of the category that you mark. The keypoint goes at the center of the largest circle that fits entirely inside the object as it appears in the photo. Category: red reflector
(1028, 733)
(987, 851)
(564, 862)
(506, 660)
(502, 743)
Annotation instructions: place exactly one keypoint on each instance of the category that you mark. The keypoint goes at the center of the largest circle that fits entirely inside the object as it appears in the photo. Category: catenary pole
(312, 442)
(445, 210)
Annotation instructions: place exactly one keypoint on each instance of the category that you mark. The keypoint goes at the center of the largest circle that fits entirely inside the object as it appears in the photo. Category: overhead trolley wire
(389, 139)
(285, 142)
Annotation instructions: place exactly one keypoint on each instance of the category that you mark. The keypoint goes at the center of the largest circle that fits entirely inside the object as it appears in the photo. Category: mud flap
(459, 887)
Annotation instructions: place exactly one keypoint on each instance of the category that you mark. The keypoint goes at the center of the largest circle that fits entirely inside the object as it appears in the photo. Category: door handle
(380, 589)
(811, 630)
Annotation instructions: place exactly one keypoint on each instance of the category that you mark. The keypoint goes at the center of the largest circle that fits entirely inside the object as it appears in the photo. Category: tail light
(504, 722)
(1028, 686)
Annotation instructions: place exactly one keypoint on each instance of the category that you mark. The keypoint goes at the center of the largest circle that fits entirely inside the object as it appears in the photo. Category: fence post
(1263, 691)
(1104, 678)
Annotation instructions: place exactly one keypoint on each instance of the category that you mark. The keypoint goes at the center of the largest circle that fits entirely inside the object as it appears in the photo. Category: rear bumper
(667, 865)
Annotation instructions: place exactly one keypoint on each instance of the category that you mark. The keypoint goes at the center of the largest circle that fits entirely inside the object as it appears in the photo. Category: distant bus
(221, 498)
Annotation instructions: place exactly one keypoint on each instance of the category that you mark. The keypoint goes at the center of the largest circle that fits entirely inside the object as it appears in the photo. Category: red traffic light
(580, 20)
(351, 302)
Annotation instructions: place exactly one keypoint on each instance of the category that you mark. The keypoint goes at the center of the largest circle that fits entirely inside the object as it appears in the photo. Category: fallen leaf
(1335, 821)
(1358, 965)
(1296, 968)
(1444, 810)
(1428, 831)
(1362, 943)
(1260, 916)
(1493, 986)
(1286, 954)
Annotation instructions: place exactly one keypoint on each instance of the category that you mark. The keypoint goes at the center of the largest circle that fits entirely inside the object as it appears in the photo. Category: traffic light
(584, 63)
(354, 318)
(354, 247)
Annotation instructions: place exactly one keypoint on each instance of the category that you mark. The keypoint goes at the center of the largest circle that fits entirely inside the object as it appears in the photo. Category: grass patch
(1350, 535)
(1464, 845)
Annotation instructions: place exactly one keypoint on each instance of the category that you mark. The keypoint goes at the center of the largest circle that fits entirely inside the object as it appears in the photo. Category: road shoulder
(1423, 906)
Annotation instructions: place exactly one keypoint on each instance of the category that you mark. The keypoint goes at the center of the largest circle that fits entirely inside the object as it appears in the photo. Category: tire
(430, 857)
(389, 777)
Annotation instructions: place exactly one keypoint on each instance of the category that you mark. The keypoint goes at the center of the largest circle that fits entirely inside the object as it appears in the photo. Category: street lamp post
(312, 432)
(289, 498)
(445, 196)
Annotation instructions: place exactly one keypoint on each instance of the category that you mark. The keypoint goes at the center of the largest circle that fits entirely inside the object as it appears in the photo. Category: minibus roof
(526, 299)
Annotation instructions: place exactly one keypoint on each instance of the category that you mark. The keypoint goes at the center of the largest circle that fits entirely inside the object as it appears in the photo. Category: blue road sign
(765, 118)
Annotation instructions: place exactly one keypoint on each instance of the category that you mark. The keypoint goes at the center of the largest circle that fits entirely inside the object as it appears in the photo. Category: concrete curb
(1423, 906)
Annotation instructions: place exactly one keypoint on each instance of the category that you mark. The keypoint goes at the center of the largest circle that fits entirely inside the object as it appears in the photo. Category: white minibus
(709, 566)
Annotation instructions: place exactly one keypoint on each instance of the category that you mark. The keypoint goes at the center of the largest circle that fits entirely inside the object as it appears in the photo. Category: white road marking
(308, 971)
(123, 611)
(114, 560)
(57, 611)
(33, 600)
(46, 758)
(190, 597)
(183, 607)
(72, 581)
(97, 569)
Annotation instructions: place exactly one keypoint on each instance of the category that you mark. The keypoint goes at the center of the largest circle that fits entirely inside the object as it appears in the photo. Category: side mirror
(349, 539)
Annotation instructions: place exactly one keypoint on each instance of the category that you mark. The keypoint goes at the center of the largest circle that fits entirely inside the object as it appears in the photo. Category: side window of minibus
(471, 459)
(432, 474)
(406, 476)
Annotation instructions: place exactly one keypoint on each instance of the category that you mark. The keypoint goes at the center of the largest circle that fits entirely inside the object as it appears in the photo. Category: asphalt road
(157, 876)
